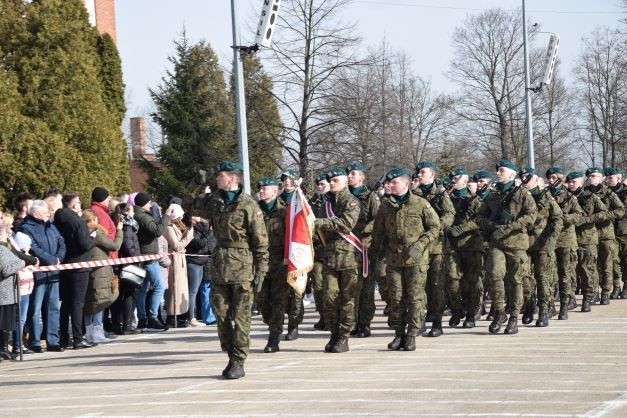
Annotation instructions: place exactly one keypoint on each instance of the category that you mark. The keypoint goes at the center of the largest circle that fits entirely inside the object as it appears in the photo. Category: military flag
(299, 227)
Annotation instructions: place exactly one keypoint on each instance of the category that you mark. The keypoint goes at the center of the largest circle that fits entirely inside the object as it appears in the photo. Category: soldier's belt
(233, 244)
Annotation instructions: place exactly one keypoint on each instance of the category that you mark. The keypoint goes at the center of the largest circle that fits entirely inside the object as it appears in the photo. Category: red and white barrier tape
(98, 263)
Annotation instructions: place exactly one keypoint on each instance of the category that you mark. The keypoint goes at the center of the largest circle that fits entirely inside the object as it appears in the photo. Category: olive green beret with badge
(555, 170)
(456, 172)
(290, 172)
(267, 181)
(334, 172)
(229, 166)
(356, 167)
(483, 174)
(426, 164)
(610, 171)
(396, 172)
(527, 170)
(320, 177)
(593, 170)
(507, 164)
(574, 175)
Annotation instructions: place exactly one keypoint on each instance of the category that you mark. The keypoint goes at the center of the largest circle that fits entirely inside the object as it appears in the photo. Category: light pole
(530, 145)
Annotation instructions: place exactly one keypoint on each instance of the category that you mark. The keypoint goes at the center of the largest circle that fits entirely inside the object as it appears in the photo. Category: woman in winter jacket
(102, 289)
(178, 236)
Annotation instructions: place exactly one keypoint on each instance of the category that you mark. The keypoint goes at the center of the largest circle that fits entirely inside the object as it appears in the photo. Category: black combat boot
(386, 310)
(456, 317)
(236, 371)
(605, 299)
(572, 303)
(552, 311)
(410, 343)
(586, 305)
(563, 315)
(331, 343)
(595, 298)
(228, 368)
(292, 333)
(398, 341)
(543, 320)
(469, 322)
(319, 325)
(341, 345)
(272, 346)
(528, 310)
(615, 293)
(491, 314)
(423, 328)
(623, 294)
(512, 325)
(363, 331)
(500, 317)
(436, 328)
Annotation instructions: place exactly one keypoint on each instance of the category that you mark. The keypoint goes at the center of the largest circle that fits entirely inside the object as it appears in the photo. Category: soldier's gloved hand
(583, 220)
(258, 281)
(455, 231)
(501, 232)
(416, 251)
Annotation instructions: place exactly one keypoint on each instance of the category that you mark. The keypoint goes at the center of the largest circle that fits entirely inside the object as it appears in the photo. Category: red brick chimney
(138, 137)
(102, 12)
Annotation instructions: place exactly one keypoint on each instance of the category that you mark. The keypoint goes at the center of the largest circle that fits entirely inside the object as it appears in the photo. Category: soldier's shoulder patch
(259, 215)
(352, 203)
(376, 197)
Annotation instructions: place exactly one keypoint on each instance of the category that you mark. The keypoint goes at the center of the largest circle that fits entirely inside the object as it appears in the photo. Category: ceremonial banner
(299, 227)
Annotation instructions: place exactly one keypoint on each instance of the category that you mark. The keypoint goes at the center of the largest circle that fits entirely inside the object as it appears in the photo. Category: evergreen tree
(195, 115)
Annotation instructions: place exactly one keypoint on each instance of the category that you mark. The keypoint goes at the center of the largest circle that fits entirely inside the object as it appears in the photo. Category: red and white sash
(353, 240)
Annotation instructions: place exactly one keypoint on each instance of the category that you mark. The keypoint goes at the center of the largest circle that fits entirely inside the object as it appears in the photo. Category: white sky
(422, 28)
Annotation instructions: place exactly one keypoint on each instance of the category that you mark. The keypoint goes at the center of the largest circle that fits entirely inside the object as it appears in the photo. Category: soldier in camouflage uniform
(273, 297)
(607, 248)
(442, 205)
(594, 211)
(239, 261)
(341, 260)
(364, 302)
(404, 227)
(614, 180)
(566, 245)
(543, 236)
(485, 183)
(465, 262)
(295, 307)
(317, 203)
(505, 216)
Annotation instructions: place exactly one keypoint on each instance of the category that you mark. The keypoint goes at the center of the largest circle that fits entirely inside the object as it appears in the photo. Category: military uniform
(621, 238)
(505, 217)
(241, 251)
(404, 228)
(341, 263)
(317, 204)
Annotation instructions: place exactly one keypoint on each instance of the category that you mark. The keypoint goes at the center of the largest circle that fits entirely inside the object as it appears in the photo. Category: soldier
(341, 255)
(364, 302)
(295, 306)
(615, 181)
(505, 216)
(404, 227)
(442, 205)
(465, 261)
(241, 252)
(273, 297)
(566, 245)
(543, 236)
(317, 203)
(587, 237)
(485, 183)
(607, 248)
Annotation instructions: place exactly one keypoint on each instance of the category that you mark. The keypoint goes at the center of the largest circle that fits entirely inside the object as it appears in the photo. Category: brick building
(102, 15)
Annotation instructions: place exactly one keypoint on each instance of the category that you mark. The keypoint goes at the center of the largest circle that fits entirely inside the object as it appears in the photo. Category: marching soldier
(615, 181)
(317, 204)
(240, 260)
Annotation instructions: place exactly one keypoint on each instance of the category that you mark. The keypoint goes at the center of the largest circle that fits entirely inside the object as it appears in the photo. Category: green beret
(396, 172)
(334, 172)
(414, 176)
(356, 167)
(527, 170)
(593, 170)
(229, 166)
(439, 181)
(555, 170)
(320, 177)
(446, 181)
(426, 164)
(290, 172)
(456, 172)
(267, 181)
(507, 164)
(610, 171)
(574, 175)
(482, 175)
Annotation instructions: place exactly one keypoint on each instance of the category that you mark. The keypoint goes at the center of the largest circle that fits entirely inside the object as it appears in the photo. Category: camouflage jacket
(593, 211)
(398, 226)
(615, 211)
(620, 225)
(242, 240)
(466, 207)
(513, 210)
(369, 207)
(317, 202)
(443, 206)
(338, 253)
(547, 227)
(571, 215)
(275, 226)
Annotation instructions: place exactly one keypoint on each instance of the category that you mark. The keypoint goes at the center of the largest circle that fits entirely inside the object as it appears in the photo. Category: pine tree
(195, 115)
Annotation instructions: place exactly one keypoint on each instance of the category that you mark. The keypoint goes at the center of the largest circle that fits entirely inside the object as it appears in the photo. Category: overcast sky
(422, 28)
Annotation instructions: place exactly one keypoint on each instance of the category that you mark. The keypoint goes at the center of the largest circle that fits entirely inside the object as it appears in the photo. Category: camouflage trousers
(607, 253)
(564, 258)
(318, 287)
(539, 278)
(505, 269)
(234, 334)
(339, 300)
(381, 279)
(407, 297)
(272, 302)
(364, 302)
(436, 293)
(622, 261)
(463, 279)
(295, 309)
(587, 270)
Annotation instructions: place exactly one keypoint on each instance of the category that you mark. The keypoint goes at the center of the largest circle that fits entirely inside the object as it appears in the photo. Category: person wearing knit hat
(566, 244)
(441, 203)
(593, 212)
(100, 204)
(607, 247)
(406, 255)
(99, 194)
(505, 216)
(141, 199)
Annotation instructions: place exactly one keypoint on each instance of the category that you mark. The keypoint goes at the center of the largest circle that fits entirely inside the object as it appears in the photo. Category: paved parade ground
(572, 368)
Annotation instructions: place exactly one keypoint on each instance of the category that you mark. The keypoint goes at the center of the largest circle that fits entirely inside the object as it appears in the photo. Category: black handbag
(133, 274)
